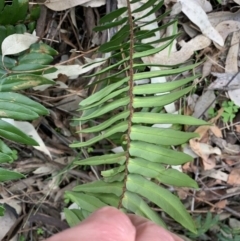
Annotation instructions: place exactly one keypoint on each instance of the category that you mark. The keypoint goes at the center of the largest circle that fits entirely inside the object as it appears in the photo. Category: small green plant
(211, 112)
(40, 231)
(229, 111)
(203, 225)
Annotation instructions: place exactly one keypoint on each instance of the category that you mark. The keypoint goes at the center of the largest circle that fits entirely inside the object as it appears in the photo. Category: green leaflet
(4, 158)
(158, 171)
(156, 118)
(116, 178)
(105, 159)
(12, 133)
(84, 201)
(144, 6)
(43, 49)
(22, 81)
(100, 187)
(113, 171)
(120, 127)
(158, 73)
(103, 92)
(161, 87)
(112, 15)
(162, 198)
(2, 210)
(111, 25)
(73, 216)
(6, 175)
(107, 123)
(108, 198)
(106, 108)
(137, 205)
(157, 153)
(159, 100)
(109, 97)
(161, 136)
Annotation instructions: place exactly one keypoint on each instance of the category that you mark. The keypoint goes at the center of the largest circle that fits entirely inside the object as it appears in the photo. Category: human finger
(106, 224)
(147, 230)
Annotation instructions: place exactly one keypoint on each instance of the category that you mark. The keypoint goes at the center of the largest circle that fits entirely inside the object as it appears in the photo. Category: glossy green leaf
(159, 100)
(36, 58)
(120, 127)
(158, 171)
(161, 136)
(36, 69)
(22, 81)
(112, 15)
(162, 198)
(6, 150)
(121, 116)
(105, 159)
(73, 216)
(12, 13)
(160, 87)
(8, 100)
(84, 201)
(156, 118)
(43, 49)
(134, 203)
(7, 62)
(12, 133)
(103, 92)
(109, 97)
(6, 175)
(156, 153)
(106, 108)
(113, 171)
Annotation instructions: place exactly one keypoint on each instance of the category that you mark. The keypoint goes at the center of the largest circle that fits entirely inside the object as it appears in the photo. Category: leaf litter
(209, 34)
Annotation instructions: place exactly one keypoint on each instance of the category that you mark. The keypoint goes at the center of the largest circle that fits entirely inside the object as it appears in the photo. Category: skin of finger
(106, 224)
(147, 230)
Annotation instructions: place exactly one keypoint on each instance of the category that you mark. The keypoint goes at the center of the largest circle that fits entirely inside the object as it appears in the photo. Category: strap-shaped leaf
(109, 97)
(120, 127)
(161, 100)
(12, 133)
(100, 187)
(145, 6)
(113, 15)
(162, 198)
(161, 136)
(158, 171)
(85, 201)
(157, 153)
(116, 178)
(4, 158)
(158, 73)
(121, 116)
(22, 81)
(156, 118)
(21, 100)
(105, 159)
(134, 203)
(6, 175)
(111, 25)
(108, 198)
(160, 87)
(73, 216)
(103, 92)
(36, 58)
(113, 171)
(106, 108)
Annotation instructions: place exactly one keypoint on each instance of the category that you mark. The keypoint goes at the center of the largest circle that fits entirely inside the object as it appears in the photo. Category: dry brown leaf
(216, 174)
(216, 131)
(220, 205)
(234, 177)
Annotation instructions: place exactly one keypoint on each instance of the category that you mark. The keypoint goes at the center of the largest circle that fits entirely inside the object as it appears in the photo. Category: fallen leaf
(216, 174)
(197, 15)
(60, 5)
(219, 205)
(17, 43)
(216, 131)
(234, 177)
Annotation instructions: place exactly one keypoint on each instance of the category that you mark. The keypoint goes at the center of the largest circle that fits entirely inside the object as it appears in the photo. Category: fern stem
(130, 94)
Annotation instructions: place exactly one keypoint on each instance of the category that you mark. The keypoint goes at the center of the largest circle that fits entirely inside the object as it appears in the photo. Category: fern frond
(147, 150)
